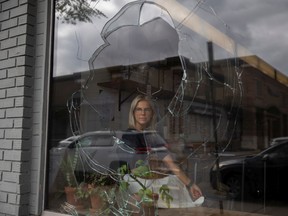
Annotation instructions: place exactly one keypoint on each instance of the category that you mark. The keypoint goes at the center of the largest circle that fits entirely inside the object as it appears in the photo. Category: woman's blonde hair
(134, 103)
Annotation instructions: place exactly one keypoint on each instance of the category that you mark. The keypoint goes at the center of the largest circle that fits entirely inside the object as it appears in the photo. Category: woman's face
(143, 114)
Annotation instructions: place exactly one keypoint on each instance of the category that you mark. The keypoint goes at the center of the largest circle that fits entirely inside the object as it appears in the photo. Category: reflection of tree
(71, 11)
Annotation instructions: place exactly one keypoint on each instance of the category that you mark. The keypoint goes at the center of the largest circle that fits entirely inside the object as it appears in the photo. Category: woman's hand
(195, 192)
(192, 188)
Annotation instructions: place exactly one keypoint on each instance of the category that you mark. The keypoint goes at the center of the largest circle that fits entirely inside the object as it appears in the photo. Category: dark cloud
(261, 26)
(153, 41)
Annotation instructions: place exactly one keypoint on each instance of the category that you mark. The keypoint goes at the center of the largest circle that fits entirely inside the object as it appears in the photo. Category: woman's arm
(192, 188)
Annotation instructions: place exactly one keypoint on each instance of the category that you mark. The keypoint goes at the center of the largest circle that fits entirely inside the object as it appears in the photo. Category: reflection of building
(63, 87)
(25, 71)
(259, 114)
(265, 108)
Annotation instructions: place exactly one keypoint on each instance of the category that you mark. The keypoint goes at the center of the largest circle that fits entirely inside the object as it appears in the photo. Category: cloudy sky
(259, 25)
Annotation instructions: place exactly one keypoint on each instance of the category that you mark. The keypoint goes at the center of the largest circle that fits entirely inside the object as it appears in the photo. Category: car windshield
(94, 140)
(278, 140)
(136, 139)
(277, 148)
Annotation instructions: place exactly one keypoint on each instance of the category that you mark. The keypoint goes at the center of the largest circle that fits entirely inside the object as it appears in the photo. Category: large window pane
(207, 102)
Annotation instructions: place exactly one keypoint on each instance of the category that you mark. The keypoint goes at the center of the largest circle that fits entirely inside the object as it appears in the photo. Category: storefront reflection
(201, 110)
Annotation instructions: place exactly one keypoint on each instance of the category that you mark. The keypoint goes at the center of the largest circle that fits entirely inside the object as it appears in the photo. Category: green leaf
(124, 185)
(165, 196)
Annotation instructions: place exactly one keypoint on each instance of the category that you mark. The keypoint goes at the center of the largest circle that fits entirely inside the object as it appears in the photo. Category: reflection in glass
(180, 56)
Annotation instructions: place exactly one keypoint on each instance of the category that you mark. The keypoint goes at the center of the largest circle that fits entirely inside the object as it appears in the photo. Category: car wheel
(234, 183)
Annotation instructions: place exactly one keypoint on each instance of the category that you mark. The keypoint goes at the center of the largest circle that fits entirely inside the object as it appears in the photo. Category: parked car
(106, 151)
(67, 141)
(278, 140)
(262, 175)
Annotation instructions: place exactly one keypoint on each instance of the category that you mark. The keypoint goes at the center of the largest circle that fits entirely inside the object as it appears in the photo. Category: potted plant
(100, 188)
(139, 182)
(82, 193)
(68, 166)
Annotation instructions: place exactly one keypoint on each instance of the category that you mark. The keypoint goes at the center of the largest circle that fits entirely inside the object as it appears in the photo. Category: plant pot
(72, 199)
(149, 208)
(96, 201)
(95, 211)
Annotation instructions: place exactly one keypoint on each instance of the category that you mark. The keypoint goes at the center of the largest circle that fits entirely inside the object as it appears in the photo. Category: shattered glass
(182, 56)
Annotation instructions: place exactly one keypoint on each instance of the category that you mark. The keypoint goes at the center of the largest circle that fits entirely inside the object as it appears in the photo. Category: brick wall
(23, 46)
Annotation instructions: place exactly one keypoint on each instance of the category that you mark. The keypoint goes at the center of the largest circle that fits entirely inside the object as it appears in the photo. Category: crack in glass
(150, 50)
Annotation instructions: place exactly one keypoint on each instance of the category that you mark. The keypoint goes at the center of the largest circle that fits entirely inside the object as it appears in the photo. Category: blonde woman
(142, 118)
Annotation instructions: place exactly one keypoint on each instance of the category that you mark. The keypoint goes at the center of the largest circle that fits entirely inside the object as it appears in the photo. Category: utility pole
(212, 98)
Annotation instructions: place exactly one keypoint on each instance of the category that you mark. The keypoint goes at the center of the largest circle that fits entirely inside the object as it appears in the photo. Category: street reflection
(195, 83)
